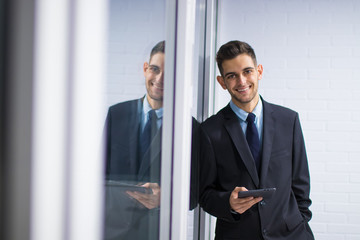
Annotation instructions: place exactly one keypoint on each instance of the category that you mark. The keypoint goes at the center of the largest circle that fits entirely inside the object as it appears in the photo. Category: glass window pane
(135, 87)
(196, 112)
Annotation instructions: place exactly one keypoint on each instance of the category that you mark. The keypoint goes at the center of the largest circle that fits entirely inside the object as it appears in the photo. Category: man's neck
(154, 103)
(248, 107)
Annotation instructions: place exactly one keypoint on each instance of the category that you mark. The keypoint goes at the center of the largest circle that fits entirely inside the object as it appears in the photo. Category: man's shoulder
(125, 105)
(216, 120)
(279, 109)
(283, 115)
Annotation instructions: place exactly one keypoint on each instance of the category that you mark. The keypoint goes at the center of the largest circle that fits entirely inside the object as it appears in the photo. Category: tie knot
(152, 114)
(250, 117)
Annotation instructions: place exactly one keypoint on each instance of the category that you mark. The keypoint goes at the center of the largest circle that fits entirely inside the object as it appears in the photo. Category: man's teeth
(242, 90)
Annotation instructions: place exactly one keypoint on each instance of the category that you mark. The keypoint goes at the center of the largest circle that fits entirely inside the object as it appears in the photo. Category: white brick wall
(310, 50)
(135, 26)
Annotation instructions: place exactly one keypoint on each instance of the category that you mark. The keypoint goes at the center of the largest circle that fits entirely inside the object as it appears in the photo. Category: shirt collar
(243, 114)
(147, 108)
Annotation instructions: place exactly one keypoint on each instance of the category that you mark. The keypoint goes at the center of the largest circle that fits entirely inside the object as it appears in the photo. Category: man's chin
(245, 99)
(155, 97)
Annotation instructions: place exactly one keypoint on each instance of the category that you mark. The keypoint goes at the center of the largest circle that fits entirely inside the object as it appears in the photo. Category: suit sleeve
(212, 200)
(107, 144)
(194, 177)
(300, 174)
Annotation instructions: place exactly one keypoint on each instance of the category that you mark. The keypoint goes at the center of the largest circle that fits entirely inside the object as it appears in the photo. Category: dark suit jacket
(226, 162)
(122, 137)
(125, 218)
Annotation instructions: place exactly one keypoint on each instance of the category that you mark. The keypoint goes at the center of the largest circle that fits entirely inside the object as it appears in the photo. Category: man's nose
(160, 77)
(241, 79)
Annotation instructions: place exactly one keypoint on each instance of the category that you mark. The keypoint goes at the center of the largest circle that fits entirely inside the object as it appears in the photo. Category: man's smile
(243, 89)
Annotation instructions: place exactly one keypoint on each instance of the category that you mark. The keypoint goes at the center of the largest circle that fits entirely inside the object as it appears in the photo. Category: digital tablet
(265, 193)
(123, 186)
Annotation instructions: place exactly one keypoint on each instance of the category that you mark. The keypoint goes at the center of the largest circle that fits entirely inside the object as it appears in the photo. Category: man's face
(154, 77)
(241, 78)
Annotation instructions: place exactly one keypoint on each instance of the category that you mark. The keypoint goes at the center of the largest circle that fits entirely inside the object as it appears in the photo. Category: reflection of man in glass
(133, 141)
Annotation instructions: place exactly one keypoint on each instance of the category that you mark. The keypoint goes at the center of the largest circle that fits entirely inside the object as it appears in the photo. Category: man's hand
(240, 205)
(151, 200)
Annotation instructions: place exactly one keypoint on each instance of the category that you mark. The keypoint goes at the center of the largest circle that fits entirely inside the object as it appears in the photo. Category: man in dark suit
(133, 156)
(135, 159)
(239, 153)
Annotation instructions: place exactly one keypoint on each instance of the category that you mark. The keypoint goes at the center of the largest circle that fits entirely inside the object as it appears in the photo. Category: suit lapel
(133, 133)
(268, 135)
(233, 127)
(152, 153)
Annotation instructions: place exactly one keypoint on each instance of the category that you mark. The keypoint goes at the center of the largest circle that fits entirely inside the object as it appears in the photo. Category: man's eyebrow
(229, 73)
(152, 65)
(245, 69)
(248, 68)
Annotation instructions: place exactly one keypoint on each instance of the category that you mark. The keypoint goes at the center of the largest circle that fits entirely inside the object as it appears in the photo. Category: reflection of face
(241, 78)
(154, 78)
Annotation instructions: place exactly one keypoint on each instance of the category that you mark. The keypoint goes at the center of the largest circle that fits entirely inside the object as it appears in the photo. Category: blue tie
(252, 138)
(148, 133)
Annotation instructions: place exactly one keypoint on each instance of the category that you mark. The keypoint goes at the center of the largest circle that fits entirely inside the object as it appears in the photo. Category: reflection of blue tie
(146, 135)
(252, 138)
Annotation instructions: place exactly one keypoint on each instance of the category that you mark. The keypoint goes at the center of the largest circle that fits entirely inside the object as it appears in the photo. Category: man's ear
(145, 67)
(260, 71)
(221, 81)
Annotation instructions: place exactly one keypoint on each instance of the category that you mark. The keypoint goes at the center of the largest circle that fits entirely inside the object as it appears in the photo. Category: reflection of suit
(125, 218)
(122, 131)
(226, 162)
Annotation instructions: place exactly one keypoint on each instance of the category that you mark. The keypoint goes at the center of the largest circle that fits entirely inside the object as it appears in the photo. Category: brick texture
(134, 28)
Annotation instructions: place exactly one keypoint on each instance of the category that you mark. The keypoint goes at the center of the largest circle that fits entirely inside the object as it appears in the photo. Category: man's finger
(138, 195)
(245, 205)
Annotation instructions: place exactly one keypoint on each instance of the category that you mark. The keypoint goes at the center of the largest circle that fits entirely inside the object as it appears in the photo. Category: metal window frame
(175, 169)
(206, 223)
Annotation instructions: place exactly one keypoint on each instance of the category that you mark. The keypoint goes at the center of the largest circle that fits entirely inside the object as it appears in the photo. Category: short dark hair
(231, 50)
(158, 48)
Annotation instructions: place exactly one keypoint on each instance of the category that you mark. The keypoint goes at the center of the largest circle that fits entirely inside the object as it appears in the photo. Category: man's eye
(154, 69)
(231, 76)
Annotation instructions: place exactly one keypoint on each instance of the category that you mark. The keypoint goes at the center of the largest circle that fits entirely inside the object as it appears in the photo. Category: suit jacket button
(265, 232)
(263, 203)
